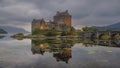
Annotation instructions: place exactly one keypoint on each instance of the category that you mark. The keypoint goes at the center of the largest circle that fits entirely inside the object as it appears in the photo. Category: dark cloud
(84, 12)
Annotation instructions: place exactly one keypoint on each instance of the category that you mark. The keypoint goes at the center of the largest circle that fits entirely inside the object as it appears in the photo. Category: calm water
(56, 54)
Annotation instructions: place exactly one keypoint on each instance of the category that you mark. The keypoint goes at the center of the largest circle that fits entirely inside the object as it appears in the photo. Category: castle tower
(35, 24)
(63, 18)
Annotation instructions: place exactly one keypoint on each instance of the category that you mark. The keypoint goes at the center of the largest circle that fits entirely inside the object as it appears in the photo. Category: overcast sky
(20, 13)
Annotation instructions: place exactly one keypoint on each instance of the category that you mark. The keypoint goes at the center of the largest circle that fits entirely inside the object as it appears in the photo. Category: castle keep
(61, 22)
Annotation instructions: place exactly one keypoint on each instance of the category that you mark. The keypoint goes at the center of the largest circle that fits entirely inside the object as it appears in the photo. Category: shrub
(105, 37)
(51, 33)
(63, 33)
(117, 36)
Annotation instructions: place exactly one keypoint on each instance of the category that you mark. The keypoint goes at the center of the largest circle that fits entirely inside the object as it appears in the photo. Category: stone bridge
(99, 34)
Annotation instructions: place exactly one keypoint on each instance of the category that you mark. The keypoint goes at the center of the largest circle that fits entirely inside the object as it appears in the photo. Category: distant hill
(2, 31)
(114, 27)
(13, 30)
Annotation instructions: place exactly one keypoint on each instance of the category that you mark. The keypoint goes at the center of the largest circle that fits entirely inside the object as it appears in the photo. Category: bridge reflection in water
(61, 49)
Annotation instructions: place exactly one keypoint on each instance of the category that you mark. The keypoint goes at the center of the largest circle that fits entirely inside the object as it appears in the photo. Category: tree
(89, 29)
(105, 37)
(72, 32)
(2, 31)
(36, 31)
(50, 33)
(117, 36)
(20, 34)
(63, 33)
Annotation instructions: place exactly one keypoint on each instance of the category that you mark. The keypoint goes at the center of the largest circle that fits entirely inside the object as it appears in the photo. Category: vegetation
(43, 32)
(73, 32)
(117, 36)
(2, 31)
(36, 32)
(50, 33)
(63, 33)
(105, 37)
(54, 41)
(20, 35)
(89, 29)
(79, 33)
(54, 33)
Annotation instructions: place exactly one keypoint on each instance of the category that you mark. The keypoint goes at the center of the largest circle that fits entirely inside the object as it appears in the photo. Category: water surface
(37, 53)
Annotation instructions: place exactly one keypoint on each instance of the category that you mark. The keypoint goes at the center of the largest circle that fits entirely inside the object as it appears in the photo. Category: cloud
(84, 12)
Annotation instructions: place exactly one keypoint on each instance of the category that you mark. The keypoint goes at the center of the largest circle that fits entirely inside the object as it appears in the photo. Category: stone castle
(61, 22)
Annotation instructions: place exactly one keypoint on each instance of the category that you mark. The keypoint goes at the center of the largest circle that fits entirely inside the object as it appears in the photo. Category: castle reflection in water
(61, 49)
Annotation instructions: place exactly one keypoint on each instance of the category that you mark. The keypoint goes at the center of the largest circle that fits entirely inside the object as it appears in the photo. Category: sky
(20, 13)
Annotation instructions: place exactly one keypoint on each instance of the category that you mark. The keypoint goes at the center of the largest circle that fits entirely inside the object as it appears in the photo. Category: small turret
(42, 20)
(58, 12)
(66, 11)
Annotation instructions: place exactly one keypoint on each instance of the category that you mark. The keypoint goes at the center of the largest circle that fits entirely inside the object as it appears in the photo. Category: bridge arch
(101, 35)
(93, 36)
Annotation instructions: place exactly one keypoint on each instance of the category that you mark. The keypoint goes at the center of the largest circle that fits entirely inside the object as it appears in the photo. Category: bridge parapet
(99, 34)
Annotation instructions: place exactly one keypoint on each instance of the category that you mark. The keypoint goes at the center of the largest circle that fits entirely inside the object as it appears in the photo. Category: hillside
(13, 30)
(2, 31)
(114, 27)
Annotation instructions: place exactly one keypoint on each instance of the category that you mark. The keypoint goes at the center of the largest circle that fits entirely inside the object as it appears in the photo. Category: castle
(61, 22)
